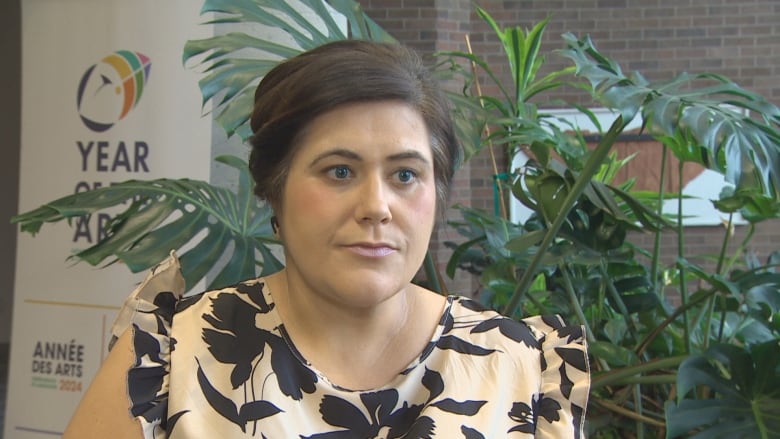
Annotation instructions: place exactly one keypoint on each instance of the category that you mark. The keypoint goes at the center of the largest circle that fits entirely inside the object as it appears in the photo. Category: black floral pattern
(510, 329)
(524, 416)
(383, 415)
(235, 339)
(227, 408)
(235, 372)
(149, 380)
(147, 397)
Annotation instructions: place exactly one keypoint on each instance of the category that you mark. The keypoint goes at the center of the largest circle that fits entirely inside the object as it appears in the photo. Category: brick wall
(659, 38)
(703, 244)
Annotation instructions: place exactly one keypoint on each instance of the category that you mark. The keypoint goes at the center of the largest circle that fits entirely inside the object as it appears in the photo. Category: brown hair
(301, 88)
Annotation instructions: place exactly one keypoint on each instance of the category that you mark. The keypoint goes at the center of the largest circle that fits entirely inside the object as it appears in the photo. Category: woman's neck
(356, 347)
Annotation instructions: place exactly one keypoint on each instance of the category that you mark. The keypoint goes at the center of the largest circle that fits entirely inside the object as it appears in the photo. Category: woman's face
(359, 203)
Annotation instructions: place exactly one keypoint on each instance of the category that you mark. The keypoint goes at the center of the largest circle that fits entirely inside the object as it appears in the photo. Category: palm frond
(207, 222)
(235, 62)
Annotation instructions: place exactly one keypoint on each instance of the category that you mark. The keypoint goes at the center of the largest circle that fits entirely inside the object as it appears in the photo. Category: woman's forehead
(388, 129)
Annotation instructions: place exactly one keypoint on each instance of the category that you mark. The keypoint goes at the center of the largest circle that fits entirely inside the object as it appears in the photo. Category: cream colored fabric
(220, 364)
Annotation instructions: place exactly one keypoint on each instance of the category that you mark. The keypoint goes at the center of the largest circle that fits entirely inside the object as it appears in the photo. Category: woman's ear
(275, 209)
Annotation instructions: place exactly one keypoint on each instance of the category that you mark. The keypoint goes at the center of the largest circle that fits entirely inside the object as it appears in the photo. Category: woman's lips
(371, 250)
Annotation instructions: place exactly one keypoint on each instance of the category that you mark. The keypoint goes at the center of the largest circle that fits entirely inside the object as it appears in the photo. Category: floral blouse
(220, 365)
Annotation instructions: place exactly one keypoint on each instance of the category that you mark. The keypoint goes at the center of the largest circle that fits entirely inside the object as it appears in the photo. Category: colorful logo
(111, 88)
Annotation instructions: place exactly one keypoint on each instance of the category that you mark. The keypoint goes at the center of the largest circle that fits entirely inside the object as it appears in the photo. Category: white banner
(105, 98)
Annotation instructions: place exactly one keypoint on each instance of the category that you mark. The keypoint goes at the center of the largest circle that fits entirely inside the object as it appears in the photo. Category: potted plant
(704, 367)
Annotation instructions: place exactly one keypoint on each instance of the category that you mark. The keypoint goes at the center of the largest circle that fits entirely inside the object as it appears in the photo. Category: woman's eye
(406, 175)
(339, 172)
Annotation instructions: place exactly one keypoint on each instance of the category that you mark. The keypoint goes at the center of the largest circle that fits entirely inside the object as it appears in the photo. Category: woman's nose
(373, 204)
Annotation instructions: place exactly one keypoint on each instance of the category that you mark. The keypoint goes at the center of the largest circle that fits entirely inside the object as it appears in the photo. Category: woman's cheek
(423, 204)
(312, 195)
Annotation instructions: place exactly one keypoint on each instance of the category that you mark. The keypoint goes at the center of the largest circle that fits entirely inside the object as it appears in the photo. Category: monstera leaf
(703, 118)
(208, 222)
(746, 394)
(234, 62)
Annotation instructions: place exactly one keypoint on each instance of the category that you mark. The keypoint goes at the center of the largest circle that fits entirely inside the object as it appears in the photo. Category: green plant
(746, 384)
(166, 214)
(235, 62)
(574, 255)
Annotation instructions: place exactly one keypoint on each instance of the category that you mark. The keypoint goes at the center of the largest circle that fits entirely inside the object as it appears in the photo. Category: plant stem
(575, 304)
(640, 423)
(751, 229)
(589, 170)
(681, 255)
(748, 237)
(660, 328)
(755, 406)
(621, 375)
(629, 414)
(598, 314)
(718, 270)
(647, 379)
(722, 255)
(497, 182)
(616, 297)
(656, 261)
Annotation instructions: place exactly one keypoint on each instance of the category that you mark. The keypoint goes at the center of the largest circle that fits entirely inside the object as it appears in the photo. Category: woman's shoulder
(159, 299)
(542, 332)
(557, 352)
(250, 291)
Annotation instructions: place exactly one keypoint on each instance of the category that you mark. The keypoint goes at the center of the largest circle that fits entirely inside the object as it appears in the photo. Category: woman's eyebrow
(340, 152)
(406, 155)
(352, 155)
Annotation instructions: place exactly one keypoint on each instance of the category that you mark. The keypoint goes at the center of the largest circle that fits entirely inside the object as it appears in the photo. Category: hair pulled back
(301, 88)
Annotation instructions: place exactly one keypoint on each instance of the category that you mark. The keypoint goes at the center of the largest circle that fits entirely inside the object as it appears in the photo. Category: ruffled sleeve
(565, 379)
(148, 313)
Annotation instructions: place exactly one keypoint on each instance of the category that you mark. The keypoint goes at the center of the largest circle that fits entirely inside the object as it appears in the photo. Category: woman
(354, 148)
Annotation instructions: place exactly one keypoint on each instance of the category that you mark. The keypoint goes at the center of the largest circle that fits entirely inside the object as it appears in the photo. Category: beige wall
(10, 78)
